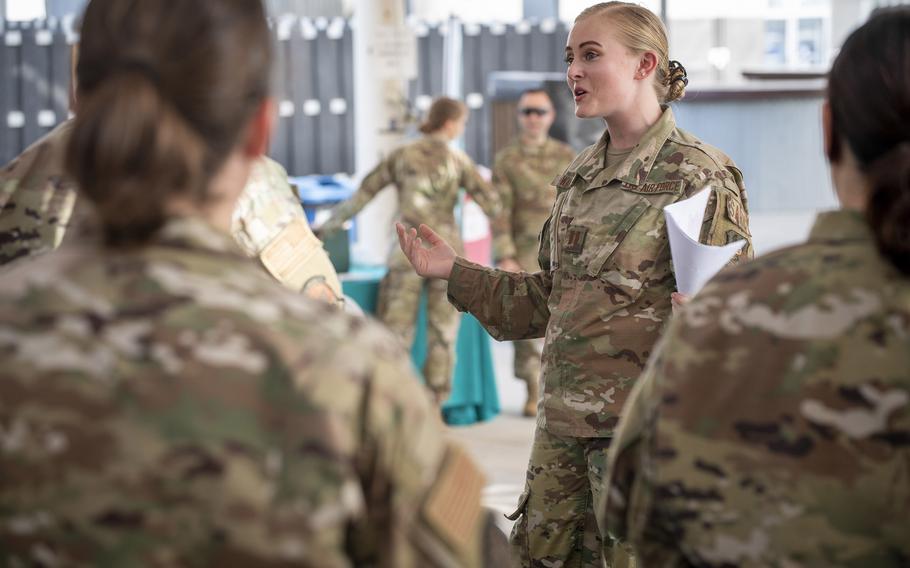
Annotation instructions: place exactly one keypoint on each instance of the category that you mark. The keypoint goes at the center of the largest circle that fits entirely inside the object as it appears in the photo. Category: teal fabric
(474, 397)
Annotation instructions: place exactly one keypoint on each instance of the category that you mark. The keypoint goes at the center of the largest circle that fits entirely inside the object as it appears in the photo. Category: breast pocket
(615, 234)
(590, 231)
(622, 254)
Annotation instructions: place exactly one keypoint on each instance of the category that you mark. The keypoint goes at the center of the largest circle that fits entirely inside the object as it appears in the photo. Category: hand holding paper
(694, 262)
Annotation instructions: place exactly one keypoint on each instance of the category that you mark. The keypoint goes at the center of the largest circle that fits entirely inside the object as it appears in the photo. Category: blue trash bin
(319, 194)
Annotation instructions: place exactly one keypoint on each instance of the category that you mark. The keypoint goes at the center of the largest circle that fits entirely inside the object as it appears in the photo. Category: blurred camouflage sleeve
(627, 498)
(269, 223)
(381, 176)
(478, 188)
(422, 492)
(36, 199)
(503, 243)
(509, 306)
(727, 215)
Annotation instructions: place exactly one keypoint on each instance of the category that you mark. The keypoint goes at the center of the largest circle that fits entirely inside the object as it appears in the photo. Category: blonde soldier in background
(428, 175)
(38, 200)
(603, 294)
(522, 174)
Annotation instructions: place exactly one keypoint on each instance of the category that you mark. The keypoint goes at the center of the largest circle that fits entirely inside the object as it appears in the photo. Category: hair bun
(676, 81)
(677, 73)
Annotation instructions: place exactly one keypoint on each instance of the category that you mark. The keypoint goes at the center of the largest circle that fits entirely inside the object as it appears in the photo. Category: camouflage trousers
(556, 522)
(399, 301)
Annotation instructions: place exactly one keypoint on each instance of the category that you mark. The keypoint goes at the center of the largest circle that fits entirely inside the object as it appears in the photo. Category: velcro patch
(453, 508)
(737, 213)
(290, 257)
(658, 187)
(575, 239)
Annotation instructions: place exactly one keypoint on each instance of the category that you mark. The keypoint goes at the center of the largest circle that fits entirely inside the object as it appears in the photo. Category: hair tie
(677, 66)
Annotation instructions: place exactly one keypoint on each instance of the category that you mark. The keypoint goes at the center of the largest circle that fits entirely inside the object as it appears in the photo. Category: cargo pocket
(519, 537)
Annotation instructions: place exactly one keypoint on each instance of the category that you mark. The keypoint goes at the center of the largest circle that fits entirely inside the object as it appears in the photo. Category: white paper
(694, 262)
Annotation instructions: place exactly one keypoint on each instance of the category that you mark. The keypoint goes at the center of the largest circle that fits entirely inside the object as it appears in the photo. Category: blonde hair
(641, 30)
(441, 111)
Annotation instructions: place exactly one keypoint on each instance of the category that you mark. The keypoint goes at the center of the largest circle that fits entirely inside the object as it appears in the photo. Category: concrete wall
(776, 142)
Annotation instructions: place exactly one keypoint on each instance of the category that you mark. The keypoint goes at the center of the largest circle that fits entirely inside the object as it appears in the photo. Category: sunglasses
(531, 110)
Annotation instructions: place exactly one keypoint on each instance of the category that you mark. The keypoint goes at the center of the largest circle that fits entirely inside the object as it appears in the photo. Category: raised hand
(435, 260)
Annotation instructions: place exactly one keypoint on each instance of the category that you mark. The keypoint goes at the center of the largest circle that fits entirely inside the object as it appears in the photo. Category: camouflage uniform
(428, 175)
(36, 199)
(522, 174)
(269, 224)
(601, 300)
(771, 426)
(174, 406)
(37, 203)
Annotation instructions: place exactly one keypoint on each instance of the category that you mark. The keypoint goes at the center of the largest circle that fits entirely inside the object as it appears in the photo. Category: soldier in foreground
(772, 427)
(602, 296)
(163, 402)
(427, 175)
(522, 173)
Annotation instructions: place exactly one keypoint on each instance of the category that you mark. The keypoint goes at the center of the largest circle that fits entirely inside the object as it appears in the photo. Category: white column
(384, 60)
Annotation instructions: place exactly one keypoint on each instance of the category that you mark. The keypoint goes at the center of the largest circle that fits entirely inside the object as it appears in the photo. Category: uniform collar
(197, 234)
(530, 150)
(437, 137)
(840, 225)
(636, 166)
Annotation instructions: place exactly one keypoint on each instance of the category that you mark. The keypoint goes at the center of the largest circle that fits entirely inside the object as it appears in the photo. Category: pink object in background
(476, 234)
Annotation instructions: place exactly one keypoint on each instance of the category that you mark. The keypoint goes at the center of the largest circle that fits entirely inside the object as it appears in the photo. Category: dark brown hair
(165, 90)
(442, 110)
(869, 95)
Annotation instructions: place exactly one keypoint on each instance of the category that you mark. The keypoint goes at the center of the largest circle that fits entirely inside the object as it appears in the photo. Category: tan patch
(290, 256)
(453, 508)
(737, 213)
(662, 187)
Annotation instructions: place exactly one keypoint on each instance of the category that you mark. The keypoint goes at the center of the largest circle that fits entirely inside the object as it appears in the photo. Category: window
(810, 41)
(775, 42)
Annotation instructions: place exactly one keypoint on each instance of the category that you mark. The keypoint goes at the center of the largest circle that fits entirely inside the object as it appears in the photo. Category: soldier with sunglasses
(522, 173)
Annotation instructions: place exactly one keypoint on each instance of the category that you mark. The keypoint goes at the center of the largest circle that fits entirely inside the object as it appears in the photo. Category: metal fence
(314, 82)
(34, 91)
